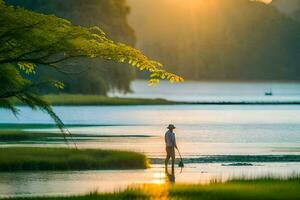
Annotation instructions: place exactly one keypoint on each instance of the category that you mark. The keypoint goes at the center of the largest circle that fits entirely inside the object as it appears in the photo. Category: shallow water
(81, 182)
(203, 131)
(269, 131)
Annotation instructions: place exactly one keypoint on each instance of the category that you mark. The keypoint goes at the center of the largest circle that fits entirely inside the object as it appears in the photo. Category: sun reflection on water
(159, 178)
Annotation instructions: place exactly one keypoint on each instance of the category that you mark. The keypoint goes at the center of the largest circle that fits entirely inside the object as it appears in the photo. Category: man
(170, 146)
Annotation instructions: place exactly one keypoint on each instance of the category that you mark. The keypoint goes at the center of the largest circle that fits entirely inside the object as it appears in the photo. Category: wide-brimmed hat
(171, 126)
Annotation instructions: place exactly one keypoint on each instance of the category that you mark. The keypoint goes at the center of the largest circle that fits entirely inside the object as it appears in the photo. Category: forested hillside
(219, 39)
(289, 7)
(111, 16)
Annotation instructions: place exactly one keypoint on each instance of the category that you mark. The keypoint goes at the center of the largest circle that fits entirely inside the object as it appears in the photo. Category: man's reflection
(170, 176)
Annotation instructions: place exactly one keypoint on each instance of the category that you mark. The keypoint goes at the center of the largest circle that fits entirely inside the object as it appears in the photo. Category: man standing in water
(170, 146)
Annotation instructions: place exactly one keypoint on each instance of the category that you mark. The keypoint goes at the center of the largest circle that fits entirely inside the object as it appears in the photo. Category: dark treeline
(111, 16)
(219, 39)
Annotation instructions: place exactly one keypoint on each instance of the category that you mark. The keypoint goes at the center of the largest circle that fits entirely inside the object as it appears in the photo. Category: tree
(29, 41)
(111, 16)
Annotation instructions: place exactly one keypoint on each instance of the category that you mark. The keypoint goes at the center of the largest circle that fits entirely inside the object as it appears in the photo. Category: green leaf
(28, 68)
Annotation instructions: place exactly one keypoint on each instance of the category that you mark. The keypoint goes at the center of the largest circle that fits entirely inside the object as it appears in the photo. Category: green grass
(239, 189)
(7, 136)
(98, 100)
(25, 136)
(260, 189)
(68, 99)
(22, 159)
(19, 126)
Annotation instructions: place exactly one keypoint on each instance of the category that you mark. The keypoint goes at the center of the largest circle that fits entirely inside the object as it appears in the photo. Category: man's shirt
(170, 139)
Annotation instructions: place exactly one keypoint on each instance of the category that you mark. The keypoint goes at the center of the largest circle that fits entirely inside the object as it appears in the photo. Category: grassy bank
(16, 136)
(19, 136)
(18, 159)
(240, 189)
(261, 189)
(68, 99)
(98, 100)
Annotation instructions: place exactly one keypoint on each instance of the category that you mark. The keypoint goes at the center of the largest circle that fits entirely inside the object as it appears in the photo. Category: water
(22, 184)
(268, 135)
(217, 91)
(202, 129)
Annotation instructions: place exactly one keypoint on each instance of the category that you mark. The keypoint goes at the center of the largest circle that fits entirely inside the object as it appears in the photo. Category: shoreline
(178, 103)
(98, 100)
(235, 160)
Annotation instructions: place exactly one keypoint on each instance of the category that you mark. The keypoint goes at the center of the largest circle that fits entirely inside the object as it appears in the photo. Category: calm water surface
(203, 130)
(82, 182)
(217, 91)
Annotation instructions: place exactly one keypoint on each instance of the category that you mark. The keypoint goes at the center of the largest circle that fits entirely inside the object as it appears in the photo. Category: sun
(266, 1)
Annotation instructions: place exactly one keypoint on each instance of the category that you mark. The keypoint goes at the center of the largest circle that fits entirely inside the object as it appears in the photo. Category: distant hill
(220, 39)
(289, 7)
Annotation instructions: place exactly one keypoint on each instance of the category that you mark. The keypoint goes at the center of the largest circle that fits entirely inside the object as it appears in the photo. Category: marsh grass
(98, 100)
(241, 189)
(78, 99)
(7, 136)
(15, 135)
(30, 159)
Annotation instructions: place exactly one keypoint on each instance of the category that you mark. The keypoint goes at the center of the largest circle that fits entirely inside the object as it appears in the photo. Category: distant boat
(269, 93)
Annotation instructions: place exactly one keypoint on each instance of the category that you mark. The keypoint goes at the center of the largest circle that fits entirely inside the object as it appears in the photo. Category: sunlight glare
(159, 178)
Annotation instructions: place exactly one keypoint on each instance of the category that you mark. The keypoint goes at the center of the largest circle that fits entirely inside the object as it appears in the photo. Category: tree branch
(23, 90)
(18, 29)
